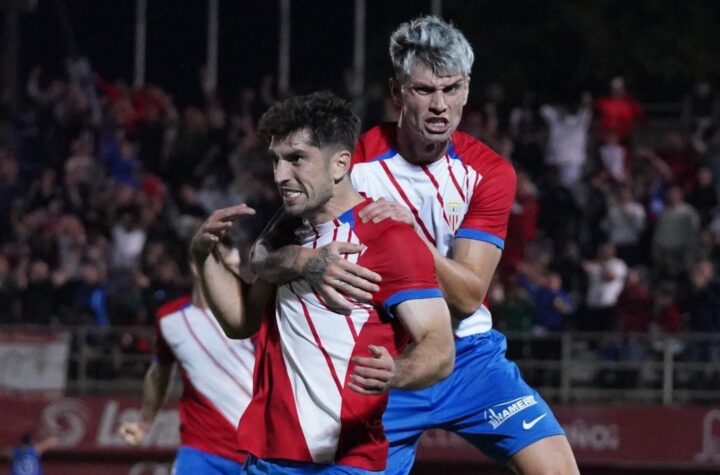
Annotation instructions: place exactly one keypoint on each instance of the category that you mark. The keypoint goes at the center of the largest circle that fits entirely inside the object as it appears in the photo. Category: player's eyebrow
(425, 85)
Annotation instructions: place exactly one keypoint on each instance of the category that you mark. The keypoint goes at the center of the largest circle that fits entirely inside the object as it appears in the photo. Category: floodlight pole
(284, 51)
(436, 7)
(11, 53)
(140, 42)
(212, 45)
(358, 83)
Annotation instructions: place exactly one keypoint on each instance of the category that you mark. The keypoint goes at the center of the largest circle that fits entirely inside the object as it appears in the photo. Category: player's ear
(340, 164)
(395, 92)
(467, 91)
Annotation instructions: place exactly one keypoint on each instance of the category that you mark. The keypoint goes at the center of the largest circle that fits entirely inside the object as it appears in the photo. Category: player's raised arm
(237, 306)
(275, 259)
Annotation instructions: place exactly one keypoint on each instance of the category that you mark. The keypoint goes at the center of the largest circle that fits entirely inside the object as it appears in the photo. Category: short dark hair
(329, 119)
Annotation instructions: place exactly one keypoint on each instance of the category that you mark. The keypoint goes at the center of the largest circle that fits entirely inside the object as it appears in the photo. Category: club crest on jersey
(455, 212)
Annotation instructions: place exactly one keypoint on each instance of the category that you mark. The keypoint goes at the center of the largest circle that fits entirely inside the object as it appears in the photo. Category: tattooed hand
(336, 279)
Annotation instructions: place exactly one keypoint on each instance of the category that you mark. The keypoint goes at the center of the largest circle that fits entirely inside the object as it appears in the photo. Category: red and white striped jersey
(467, 194)
(302, 408)
(216, 372)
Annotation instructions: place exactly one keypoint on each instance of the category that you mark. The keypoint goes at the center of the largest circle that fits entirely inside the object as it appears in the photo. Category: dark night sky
(554, 47)
(321, 39)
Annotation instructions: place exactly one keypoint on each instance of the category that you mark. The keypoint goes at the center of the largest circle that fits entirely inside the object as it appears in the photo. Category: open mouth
(290, 195)
(437, 125)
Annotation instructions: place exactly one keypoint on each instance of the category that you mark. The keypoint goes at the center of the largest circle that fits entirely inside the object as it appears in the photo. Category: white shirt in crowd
(605, 282)
(625, 223)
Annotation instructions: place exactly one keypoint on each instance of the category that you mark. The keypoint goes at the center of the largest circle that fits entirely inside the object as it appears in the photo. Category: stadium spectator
(166, 283)
(526, 130)
(679, 158)
(11, 189)
(128, 238)
(567, 144)
(91, 298)
(560, 214)
(676, 235)
(701, 301)
(619, 112)
(334, 414)
(700, 107)
(522, 226)
(593, 201)
(569, 264)
(38, 293)
(606, 279)
(626, 221)
(71, 243)
(150, 134)
(121, 163)
(518, 310)
(553, 306)
(634, 305)
(710, 150)
(191, 143)
(703, 196)
(634, 310)
(666, 315)
(8, 291)
(651, 177)
(44, 190)
(614, 158)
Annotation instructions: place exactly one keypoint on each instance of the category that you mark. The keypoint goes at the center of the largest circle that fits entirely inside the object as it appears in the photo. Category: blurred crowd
(101, 188)
(615, 226)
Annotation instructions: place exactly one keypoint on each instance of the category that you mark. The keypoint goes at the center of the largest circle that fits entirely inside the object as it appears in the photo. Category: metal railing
(620, 367)
(568, 367)
(109, 360)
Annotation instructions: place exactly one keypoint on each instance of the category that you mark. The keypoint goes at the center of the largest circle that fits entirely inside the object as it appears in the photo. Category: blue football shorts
(484, 400)
(190, 461)
(257, 466)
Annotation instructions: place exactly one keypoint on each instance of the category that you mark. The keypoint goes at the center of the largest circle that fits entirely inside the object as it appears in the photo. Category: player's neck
(344, 198)
(415, 149)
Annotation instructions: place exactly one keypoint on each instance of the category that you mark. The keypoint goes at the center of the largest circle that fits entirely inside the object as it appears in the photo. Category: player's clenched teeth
(437, 124)
(289, 194)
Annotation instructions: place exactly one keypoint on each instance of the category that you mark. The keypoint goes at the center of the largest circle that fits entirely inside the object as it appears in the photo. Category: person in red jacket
(619, 111)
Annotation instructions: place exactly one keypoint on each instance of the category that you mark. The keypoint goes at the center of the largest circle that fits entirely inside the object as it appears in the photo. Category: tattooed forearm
(276, 267)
